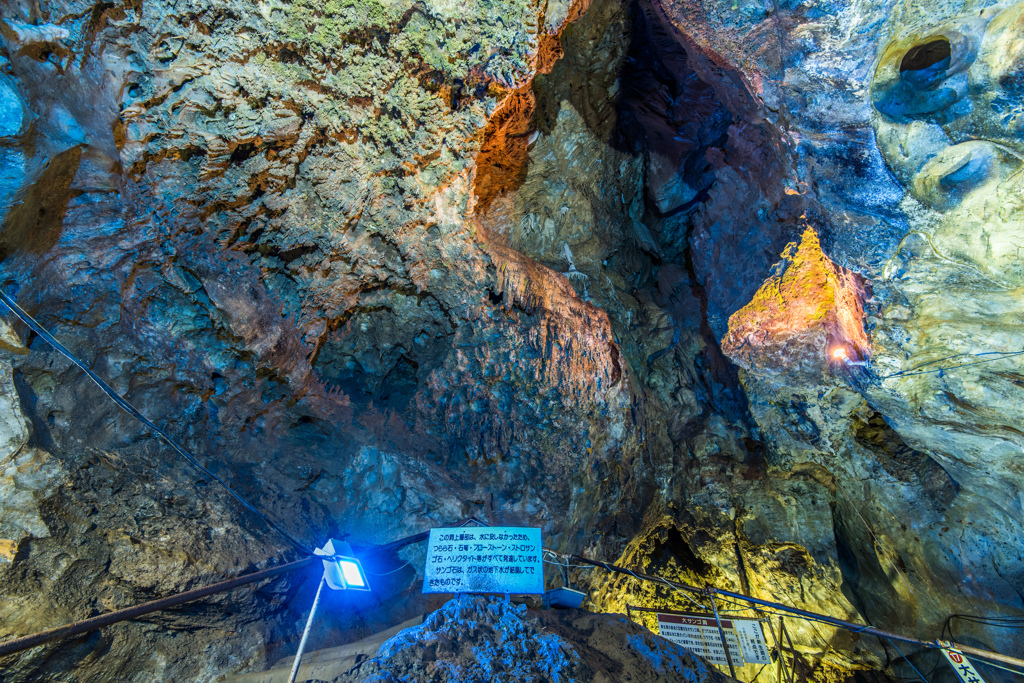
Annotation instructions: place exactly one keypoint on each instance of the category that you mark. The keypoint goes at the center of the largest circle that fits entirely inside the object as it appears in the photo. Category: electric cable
(950, 357)
(987, 655)
(762, 606)
(911, 372)
(995, 622)
(566, 564)
(998, 622)
(916, 370)
(400, 568)
(907, 660)
(131, 410)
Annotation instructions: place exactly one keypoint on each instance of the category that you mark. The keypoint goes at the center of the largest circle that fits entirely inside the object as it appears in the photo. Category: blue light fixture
(342, 572)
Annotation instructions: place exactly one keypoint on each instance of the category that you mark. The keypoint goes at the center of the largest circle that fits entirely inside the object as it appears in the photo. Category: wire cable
(131, 410)
(1000, 356)
(630, 572)
(570, 566)
(907, 660)
(400, 568)
(950, 357)
(122, 403)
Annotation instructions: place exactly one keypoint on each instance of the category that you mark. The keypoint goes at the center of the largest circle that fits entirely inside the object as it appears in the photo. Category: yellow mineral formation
(808, 311)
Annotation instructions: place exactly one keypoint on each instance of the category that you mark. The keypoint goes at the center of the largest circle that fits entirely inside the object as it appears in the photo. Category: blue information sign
(484, 560)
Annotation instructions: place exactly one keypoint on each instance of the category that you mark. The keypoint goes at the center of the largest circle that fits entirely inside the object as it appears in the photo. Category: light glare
(839, 353)
(353, 576)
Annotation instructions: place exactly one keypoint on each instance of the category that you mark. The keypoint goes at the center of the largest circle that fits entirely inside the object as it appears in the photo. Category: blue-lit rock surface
(476, 640)
(387, 265)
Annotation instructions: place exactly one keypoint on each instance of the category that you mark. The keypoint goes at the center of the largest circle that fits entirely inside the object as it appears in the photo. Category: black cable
(995, 622)
(131, 410)
(998, 622)
(913, 371)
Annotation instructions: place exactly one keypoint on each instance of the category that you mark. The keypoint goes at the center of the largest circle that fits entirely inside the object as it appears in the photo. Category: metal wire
(400, 568)
(1000, 666)
(907, 660)
(1000, 355)
(188, 456)
(624, 570)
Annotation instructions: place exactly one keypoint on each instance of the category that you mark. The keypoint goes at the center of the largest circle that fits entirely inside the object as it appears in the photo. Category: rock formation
(474, 640)
(578, 265)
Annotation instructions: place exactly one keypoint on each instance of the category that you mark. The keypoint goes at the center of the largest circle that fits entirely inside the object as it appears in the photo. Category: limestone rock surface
(475, 639)
(387, 265)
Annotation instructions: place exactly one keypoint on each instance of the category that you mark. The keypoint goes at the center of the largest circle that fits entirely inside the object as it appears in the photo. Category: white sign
(699, 634)
(484, 560)
(964, 669)
(755, 649)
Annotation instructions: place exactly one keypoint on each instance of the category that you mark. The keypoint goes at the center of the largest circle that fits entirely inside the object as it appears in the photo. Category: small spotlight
(342, 571)
(841, 355)
(352, 573)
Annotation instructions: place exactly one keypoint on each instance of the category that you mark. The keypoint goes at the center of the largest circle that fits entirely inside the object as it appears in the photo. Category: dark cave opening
(926, 55)
(675, 547)
(670, 115)
(679, 122)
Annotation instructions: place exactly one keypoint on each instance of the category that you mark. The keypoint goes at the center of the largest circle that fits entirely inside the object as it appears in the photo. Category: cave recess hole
(926, 55)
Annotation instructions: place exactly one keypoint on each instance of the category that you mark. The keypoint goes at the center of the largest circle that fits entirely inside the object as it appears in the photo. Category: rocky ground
(475, 639)
(583, 266)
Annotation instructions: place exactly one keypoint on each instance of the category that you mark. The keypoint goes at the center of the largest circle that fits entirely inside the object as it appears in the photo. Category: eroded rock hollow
(728, 292)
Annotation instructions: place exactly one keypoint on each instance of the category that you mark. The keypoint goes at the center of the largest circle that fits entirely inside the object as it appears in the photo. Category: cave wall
(581, 265)
(902, 156)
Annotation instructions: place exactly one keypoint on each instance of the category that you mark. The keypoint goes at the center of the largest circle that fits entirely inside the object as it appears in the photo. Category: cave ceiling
(729, 291)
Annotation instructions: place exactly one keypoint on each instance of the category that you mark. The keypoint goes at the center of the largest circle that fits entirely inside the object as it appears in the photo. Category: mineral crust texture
(724, 291)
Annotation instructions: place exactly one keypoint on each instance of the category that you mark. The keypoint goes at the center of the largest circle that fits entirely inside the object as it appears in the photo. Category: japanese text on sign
(484, 560)
(699, 634)
(964, 669)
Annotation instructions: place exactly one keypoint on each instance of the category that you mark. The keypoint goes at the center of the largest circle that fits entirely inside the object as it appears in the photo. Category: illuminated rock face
(809, 314)
(574, 265)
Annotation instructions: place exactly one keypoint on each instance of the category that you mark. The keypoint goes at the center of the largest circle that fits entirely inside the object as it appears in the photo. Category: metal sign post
(792, 651)
(721, 633)
(341, 572)
(778, 648)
